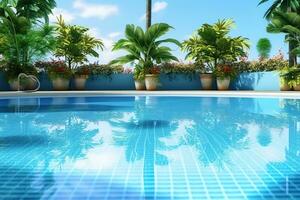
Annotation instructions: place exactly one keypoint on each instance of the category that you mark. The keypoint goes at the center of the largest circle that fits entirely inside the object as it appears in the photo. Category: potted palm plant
(145, 48)
(212, 46)
(24, 38)
(74, 44)
(81, 75)
(224, 74)
(194, 47)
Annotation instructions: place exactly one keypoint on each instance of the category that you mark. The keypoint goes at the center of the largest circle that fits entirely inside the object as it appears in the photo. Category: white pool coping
(253, 94)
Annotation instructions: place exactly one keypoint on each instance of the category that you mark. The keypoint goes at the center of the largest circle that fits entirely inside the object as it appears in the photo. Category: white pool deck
(254, 94)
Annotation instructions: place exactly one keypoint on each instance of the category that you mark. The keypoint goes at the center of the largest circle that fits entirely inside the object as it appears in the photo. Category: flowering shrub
(128, 70)
(188, 69)
(106, 70)
(154, 70)
(83, 70)
(225, 71)
(263, 65)
(178, 68)
(56, 69)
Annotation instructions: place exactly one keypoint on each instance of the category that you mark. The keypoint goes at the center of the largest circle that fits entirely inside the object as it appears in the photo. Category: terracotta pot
(80, 82)
(223, 83)
(206, 81)
(151, 82)
(139, 84)
(60, 84)
(285, 87)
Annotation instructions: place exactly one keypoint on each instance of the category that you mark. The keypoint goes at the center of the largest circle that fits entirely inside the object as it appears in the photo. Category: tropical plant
(144, 47)
(212, 45)
(283, 5)
(74, 44)
(21, 41)
(264, 48)
(32, 9)
(288, 23)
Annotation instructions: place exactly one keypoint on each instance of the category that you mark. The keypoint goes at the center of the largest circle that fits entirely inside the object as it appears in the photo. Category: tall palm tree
(148, 13)
(284, 6)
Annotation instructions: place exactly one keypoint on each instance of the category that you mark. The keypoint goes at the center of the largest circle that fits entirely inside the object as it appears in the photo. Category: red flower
(155, 70)
(227, 69)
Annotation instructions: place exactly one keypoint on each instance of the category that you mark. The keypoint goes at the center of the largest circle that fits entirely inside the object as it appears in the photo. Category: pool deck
(260, 94)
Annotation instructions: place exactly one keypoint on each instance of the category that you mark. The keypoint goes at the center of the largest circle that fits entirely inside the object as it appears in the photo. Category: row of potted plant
(58, 72)
(211, 48)
(215, 54)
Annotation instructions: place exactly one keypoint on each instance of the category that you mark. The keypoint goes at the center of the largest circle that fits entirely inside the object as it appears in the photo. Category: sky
(107, 20)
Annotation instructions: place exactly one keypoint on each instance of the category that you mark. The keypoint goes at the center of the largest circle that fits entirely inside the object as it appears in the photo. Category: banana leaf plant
(145, 48)
(289, 23)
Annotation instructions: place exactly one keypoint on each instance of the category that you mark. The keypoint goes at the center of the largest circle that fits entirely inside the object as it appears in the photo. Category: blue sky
(108, 18)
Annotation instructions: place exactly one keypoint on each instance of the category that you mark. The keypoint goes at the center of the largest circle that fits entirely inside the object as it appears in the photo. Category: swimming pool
(149, 147)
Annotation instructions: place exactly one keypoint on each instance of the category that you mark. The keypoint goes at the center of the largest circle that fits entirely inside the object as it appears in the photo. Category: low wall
(260, 81)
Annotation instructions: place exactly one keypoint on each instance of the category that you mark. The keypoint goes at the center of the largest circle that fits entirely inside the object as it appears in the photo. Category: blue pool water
(149, 148)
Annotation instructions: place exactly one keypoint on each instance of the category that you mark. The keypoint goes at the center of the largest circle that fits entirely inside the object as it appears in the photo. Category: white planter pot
(80, 82)
(206, 81)
(223, 83)
(152, 82)
(60, 84)
(140, 84)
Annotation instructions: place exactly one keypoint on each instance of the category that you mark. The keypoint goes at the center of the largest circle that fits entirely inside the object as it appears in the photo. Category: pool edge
(260, 94)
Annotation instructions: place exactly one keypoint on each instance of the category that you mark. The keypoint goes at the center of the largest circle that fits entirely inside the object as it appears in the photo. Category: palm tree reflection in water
(143, 141)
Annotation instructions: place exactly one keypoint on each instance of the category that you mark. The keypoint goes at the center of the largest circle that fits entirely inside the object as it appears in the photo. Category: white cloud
(114, 34)
(157, 7)
(101, 11)
(68, 17)
(107, 54)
